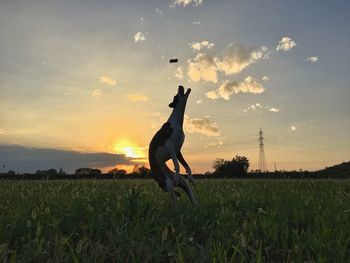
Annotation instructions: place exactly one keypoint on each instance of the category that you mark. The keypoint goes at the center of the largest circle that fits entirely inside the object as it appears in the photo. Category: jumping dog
(165, 145)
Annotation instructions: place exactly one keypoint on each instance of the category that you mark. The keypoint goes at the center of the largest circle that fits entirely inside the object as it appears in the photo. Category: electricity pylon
(262, 161)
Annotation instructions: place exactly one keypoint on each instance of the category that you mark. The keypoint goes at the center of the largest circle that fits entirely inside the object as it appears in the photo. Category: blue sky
(86, 75)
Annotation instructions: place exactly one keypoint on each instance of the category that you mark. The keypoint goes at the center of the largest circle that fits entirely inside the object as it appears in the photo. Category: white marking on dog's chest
(177, 137)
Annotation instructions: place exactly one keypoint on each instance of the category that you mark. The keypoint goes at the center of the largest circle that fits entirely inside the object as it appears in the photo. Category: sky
(84, 77)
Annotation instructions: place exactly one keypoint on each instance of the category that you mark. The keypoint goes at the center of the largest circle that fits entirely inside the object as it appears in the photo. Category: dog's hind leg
(183, 184)
(170, 187)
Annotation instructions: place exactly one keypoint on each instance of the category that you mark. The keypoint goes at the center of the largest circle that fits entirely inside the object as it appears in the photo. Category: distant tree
(144, 171)
(11, 173)
(51, 172)
(87, 171)
(243, 163)
(40, 172)
(61, 172)
(117, 172)
(238, 166)
(218, 165)
(46, 173)
(96, 171)
(83, 171)
(140, 171)
(122, 172)
(136, 168)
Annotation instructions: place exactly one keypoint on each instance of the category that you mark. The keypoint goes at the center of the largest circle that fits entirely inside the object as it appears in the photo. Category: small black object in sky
(173, 60)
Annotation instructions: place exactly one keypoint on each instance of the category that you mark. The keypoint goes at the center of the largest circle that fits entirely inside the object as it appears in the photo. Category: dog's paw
(178, 195)
(191, 180)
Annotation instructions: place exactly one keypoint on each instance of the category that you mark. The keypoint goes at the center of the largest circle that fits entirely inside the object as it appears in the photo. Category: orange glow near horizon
(128, 148)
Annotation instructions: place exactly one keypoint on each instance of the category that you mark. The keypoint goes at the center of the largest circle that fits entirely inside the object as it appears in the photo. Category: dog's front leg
(171, 149)
(186, 166)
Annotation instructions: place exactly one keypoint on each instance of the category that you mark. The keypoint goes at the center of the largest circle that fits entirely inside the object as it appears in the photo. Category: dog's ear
(175, 100)
(181, 91)
(188, 92)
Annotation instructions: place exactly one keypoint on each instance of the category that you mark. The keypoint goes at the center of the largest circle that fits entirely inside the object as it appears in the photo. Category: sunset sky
(82, 77)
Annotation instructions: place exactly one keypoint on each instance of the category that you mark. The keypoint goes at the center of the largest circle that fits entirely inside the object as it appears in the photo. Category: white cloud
(274, 109)
(312, 59)
(238, 56)
(235, 58)
(201, 125)
(227, 88)
(137, 97)
(293, 128)
(253, 107)
(265, 78)
(142, 20)
(261, 53)
(286, 43)
(257, 107)
(196, 22)
(2, 132)
(96, 94)
(199, 101)
(159, 12)
(197, 46)
(184, 3)
(202, 67)
(213, 94)
(179, 73)
(108, 80)
(139, 37)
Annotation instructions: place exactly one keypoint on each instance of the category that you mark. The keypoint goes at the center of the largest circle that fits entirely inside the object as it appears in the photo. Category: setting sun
(133, 152)
(128, 148)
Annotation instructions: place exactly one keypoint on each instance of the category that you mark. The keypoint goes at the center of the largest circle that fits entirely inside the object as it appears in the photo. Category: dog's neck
(177, 116)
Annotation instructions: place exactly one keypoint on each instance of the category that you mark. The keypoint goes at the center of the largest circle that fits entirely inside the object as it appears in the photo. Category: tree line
(237, 167)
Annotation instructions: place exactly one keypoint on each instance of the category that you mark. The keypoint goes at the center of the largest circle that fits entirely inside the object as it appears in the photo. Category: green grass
(133, 221)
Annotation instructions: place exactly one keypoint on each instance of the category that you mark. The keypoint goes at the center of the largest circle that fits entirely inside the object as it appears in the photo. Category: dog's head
(180, 98)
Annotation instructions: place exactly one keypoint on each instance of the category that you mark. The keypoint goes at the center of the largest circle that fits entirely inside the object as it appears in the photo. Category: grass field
(132, 221)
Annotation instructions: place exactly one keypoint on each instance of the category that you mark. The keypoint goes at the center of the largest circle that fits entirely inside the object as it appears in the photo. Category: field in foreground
(132, 221)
